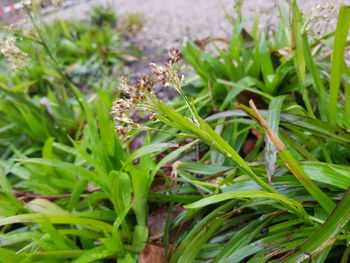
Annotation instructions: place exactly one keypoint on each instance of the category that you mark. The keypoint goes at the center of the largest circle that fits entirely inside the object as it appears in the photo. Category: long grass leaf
(57, 219)
(293, 165)
(334, 223)
(299, 56)
(273, 119)
(243, 194)
(241, 238)
(94, 254)
(341, 33)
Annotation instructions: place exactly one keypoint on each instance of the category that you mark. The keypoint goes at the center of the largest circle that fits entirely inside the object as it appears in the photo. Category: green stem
(206, 134)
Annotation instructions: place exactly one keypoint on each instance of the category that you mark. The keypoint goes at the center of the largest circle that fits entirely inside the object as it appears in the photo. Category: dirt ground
(170, 22)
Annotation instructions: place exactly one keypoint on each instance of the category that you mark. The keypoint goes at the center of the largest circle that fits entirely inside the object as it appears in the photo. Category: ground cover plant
(249, 164)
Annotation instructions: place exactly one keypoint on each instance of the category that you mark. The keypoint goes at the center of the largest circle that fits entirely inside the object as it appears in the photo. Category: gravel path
(170, 22)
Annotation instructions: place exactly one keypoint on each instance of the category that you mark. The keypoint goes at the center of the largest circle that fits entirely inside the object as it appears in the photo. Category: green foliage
(237, 183)
(226, 77)
(58, 143)
(103, 16)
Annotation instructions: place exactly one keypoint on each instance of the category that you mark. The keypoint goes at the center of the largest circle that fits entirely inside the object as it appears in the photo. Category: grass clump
(250, 164)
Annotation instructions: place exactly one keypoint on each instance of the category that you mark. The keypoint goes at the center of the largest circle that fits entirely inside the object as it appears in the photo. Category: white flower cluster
(12, 53)
(167, 73)
(141, 97)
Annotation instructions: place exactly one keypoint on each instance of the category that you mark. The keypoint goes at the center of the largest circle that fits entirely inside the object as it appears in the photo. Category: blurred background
(167, 22)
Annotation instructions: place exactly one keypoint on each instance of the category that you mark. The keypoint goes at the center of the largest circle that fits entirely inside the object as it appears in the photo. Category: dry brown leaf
(248, 146)
(152, 254)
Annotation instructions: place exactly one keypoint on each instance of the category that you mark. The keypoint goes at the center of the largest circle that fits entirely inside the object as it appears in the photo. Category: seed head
(140, 98)
(153, 117)
(13, 54)
(175, 55)
(167, 74)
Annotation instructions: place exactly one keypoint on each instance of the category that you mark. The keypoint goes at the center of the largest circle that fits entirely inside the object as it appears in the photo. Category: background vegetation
(249, 164)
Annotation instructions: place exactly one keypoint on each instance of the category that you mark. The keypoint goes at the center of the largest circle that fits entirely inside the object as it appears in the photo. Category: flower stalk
(142, 97)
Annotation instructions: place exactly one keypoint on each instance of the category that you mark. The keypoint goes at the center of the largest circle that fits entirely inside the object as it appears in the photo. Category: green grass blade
(206, 221)
(94, 254)
(78, 190)
(205, 133)
(270, 242)
(337, 60)
(273, 119)
(246, 194)
(299, 56)
(60, 254)
(293, 164)
(169, 157)
(241, 238)
(316, 75)
(197, 243)
(316, 127)
(335, 175)
(346, 88)
(149, 149)
(57, 219)
(68, 167)
(334, 223)
(10, 256)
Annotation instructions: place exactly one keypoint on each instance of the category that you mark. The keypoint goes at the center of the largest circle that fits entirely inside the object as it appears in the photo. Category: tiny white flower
(12, 53)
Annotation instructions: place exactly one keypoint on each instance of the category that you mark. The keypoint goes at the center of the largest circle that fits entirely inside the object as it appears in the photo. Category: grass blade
(57, 219)
(241, 238)
(244, 194)
(273, 119)
(335, 222)
(299, 57)
(337, 60)
(293, 165)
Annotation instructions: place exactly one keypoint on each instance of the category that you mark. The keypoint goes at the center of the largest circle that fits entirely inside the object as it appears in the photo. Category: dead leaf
(157, 220)
(257, 133)
(152, 254)
(156, 223)
(249, 146)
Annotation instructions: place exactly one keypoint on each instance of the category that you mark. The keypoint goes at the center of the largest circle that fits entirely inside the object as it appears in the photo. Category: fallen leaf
(249, 146)
(152, 254)
(157, 220)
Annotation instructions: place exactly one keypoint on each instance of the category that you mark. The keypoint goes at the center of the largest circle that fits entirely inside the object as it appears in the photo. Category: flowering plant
(142, 97)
